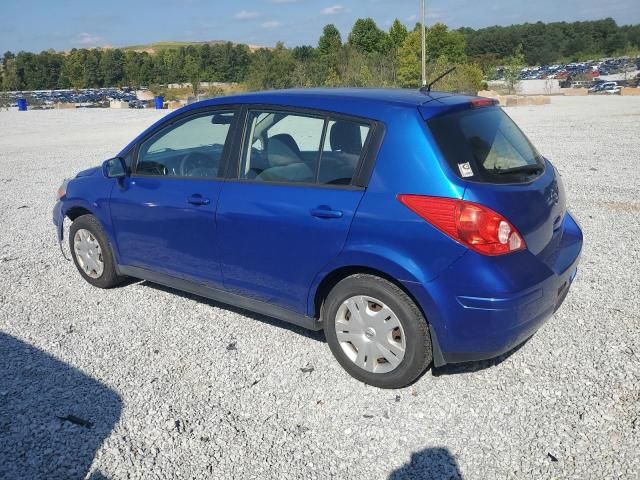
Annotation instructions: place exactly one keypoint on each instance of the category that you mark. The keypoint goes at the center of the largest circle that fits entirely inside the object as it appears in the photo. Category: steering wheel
(191, 162)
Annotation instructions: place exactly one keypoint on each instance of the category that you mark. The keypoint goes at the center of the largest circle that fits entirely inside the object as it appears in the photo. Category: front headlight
(62, 190)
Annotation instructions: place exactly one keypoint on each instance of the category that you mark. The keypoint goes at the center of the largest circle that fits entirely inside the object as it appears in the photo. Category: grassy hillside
(159, 46)
(167, 45)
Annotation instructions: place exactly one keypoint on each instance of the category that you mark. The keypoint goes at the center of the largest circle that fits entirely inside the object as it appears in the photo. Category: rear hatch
(502, 170)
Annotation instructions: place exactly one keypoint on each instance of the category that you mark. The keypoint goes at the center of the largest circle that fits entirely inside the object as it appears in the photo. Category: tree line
(368, 56)
(544, 44)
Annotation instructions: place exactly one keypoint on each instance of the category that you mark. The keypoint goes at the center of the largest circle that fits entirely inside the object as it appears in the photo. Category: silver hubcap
(88, 253)
(370, 334)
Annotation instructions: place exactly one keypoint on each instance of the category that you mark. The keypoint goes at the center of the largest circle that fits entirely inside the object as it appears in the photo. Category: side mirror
(114, 168)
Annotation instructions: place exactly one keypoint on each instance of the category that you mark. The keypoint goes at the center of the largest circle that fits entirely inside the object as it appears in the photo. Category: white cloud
(246, 15)
(271, 24)
(88, 40)
(335, 10)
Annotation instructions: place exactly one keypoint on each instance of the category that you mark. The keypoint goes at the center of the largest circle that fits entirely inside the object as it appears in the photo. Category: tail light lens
(475, 226)
(483, 102)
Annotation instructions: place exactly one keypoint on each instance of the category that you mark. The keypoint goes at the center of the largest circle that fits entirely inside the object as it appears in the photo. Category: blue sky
(36, 25)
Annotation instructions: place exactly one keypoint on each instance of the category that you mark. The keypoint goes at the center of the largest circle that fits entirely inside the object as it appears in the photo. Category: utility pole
(424, 44)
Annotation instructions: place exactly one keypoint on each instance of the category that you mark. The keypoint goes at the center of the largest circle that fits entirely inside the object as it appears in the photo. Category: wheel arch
(77, 211)
(77, 208)
(332, 278)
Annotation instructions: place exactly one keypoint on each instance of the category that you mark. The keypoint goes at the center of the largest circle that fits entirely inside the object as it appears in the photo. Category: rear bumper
(474, 315)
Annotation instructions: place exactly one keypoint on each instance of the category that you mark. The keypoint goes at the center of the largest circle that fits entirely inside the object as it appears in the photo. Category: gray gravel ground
(177, 387)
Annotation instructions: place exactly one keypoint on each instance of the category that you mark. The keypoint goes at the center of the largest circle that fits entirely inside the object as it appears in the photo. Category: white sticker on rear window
(465, 169)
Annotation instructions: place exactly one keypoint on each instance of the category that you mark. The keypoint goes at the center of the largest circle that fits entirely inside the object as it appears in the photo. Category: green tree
(365, 77)
(73, 69)
(271, 69)
(9, 74)
(192, 73)
(615, 43)
(132, 70)
(443, 43)
(91, 69)
(397, 35)
(366, 37)
(467, 78)
(409, 58)
(239, 60)
(513, 68)
(332, 80)
(330, 41)
(112, 67)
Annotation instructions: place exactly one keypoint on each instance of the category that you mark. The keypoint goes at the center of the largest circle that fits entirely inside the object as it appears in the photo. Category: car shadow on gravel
(53, 417)
(470, 367)
(317, 336)
(429, 464)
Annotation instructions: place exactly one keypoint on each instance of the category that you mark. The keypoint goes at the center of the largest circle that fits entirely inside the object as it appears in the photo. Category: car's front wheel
(91, 252)
(376, 331)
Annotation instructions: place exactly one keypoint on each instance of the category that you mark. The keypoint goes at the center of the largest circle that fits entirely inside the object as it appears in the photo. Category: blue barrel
(22, 104)
(159, 102)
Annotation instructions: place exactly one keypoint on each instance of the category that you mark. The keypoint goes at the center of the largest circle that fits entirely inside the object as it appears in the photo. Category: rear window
(485, 145)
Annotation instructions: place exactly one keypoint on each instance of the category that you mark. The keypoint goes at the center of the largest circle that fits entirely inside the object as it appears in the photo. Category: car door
(164, 212)
(288, 210)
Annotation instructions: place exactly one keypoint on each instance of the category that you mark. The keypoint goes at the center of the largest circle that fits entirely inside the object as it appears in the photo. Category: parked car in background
(612, 89)
(414, 228)
(603, 87)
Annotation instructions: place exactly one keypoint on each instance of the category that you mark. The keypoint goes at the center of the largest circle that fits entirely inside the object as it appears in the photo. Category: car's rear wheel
(376, 331)
(91, 252)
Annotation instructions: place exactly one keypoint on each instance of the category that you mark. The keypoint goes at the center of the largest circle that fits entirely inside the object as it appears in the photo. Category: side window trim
(185, 117)
(371, 148)
(366, 162)
(323, 139)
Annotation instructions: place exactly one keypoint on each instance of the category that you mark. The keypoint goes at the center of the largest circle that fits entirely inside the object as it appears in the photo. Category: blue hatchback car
(414, 228)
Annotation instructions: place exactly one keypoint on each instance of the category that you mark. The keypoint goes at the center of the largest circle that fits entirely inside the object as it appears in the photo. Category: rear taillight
(473, 225)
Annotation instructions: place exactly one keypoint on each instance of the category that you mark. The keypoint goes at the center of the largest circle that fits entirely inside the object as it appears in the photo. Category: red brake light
(475, 226)
(483, 102)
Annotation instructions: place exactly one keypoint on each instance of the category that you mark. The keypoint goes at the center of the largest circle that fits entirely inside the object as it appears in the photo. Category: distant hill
(158, 46)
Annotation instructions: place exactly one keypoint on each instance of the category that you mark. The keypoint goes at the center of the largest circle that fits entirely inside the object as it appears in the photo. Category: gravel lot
(179, 387)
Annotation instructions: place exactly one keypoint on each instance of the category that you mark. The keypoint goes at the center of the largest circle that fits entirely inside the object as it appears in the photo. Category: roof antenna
(427, 88)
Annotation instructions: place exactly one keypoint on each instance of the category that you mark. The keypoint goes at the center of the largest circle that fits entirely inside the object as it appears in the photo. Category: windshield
(485, 145)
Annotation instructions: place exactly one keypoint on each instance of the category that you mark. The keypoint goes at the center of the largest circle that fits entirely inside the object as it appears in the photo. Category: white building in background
(202, 84)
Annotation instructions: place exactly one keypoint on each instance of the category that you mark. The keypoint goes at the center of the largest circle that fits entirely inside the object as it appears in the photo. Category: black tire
(418, 352)
(109, 277)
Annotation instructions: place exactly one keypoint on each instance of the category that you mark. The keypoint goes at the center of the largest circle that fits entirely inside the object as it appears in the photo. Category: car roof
(366, 102)
(383, 95)
(375, 104)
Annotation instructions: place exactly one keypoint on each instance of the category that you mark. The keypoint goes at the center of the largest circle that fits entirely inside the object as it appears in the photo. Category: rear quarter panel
(387, 236)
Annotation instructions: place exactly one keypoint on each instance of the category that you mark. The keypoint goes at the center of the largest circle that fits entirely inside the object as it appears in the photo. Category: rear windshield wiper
(532, 168)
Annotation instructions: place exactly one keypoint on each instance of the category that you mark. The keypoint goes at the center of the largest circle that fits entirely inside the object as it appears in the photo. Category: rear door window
(300, 148)
(485, 145)
(282, 147)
